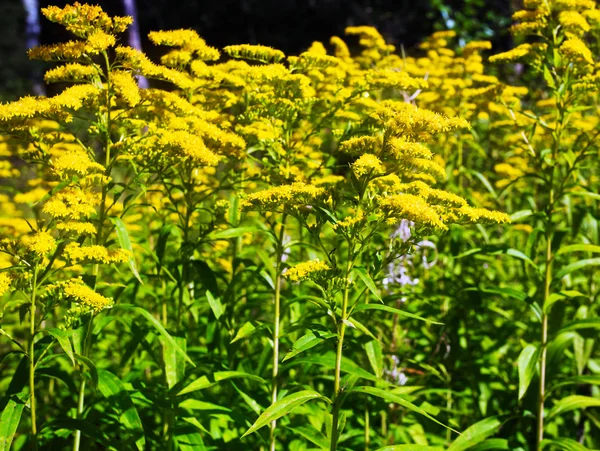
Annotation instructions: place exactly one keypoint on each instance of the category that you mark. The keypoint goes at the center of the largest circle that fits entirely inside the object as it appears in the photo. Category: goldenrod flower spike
(259, 53)
(306, 270)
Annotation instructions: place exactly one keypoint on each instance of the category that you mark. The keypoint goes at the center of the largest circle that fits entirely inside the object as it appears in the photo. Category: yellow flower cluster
(77, 291)
(294, 195)
(306, 270)
(95, 254)
(39, 243)
(72, 203)
(259, 53)
(5, 283)
(368, 165)
(74, 161)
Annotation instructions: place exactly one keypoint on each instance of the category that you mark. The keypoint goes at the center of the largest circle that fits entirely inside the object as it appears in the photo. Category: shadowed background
(289, 25)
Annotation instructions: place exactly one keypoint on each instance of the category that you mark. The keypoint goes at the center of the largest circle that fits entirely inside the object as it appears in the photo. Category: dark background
(289, 25)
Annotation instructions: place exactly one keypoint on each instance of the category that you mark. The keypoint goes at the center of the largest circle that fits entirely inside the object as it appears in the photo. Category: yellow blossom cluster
(5, 283)
(95, 254)
(294, 195)
(77, 291)
(306, 270)
(39, 243)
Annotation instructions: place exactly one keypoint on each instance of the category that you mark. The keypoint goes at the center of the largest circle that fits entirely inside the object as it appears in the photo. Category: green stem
(337, 401)
(544, 343)
(367, 429)
(276, 329)
(81, 394)
(32, 359)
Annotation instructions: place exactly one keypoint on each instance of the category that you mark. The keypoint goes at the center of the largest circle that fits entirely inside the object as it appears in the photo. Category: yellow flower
(126, 86)
(573, 22)
(74, 162)
(294, 195)
(390, 79)
(80, 293)
(512, 55)
(575, 50)
(368, 165)
(71, 72)
(361, 144)
(259, 53)
(306, 270)
(5, 283)
(412, 208)
(78, 228)
(40, 243)
(95, 254)
(72, 203)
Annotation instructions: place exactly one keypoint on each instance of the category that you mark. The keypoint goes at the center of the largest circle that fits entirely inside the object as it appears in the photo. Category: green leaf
(245, 331)
(113, 389)
(366, 278)
(410, 448)
(90, 366)
(565, 294)
(475, 434)
(157, 325)
(125, 243)
(174, 362)
(231, 233)
(188, 438)
(328, 361)
(215, 304)
(312, 435)
(375, 356)
(527, 363)
(579, 248)
(520, 215)
(573, 402)
(9, 422)
(196, 404)
(387, 308)
(590, 323)
(564, 443)
(577, 266)
(207, 276)
(63, 340)
(492, 443)
(392, 397)
(204, 382)
(283, 407)
(307, 341)
(577, 380)
(161, 243)
(509, 292)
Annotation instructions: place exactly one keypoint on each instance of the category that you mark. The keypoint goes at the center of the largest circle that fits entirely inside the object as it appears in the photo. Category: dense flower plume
(160, 248)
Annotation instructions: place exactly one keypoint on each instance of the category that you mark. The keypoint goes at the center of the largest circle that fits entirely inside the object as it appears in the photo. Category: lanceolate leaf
(125, 243)
(387, 308)
(312, 435)
(410, 448)
(366, 278)
(572, 403)
(9, 421)
(283, 407)
(204, 382)
(475, 434)
(392, 397)
(563, 443)
(113, 389)
(307, 341)
(527, 363)
(157, 325)
(577, 266)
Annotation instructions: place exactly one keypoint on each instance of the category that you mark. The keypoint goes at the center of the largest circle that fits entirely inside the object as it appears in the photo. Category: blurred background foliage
(289, 25)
